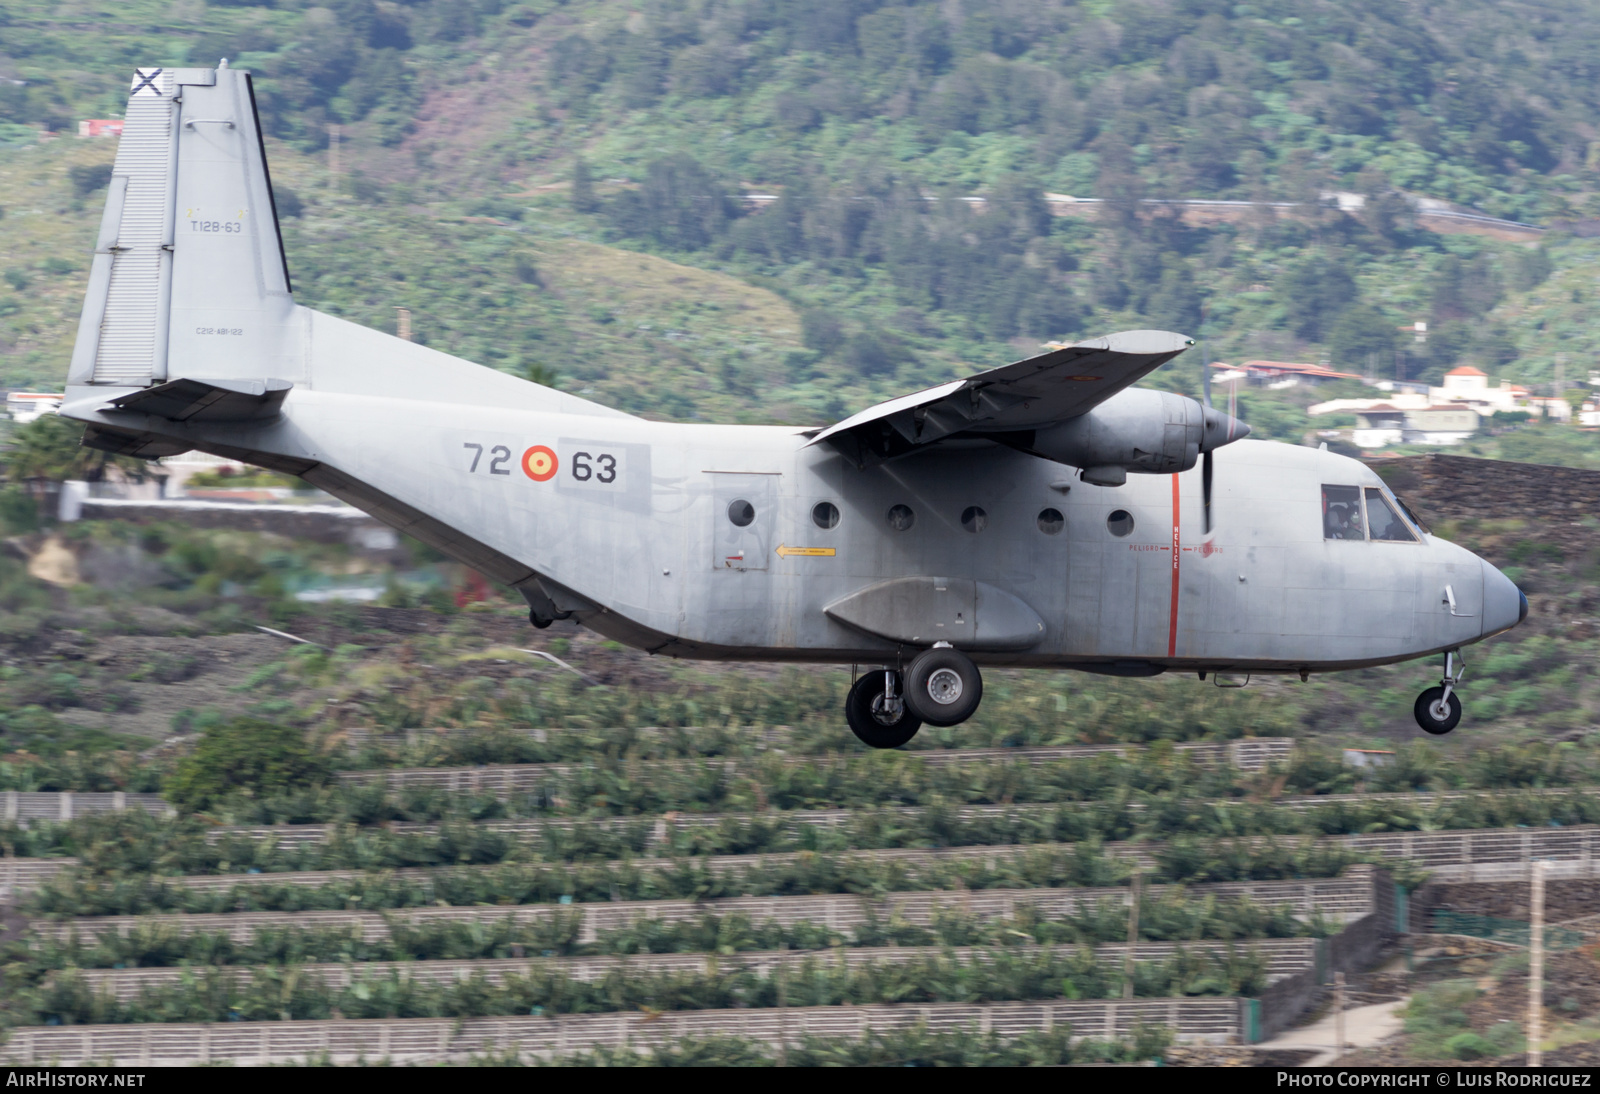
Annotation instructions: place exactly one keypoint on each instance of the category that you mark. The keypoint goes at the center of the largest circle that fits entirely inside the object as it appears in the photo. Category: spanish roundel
(540, 463)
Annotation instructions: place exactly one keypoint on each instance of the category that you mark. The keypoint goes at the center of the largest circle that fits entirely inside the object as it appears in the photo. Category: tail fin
(189, 277)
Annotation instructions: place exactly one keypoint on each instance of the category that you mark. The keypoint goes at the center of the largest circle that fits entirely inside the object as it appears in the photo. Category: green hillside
(559, 187)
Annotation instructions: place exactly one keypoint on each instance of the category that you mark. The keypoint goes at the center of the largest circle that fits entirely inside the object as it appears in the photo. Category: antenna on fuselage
(1205, 460)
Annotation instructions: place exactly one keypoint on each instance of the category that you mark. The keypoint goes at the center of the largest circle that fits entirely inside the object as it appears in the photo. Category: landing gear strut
(877, 710)
(1438, 710)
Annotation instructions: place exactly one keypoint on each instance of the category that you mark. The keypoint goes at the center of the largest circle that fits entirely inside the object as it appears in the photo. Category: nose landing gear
(1438, 710)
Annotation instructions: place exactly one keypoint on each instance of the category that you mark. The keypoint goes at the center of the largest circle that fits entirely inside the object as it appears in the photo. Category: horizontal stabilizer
(145, 446)
(208, 400)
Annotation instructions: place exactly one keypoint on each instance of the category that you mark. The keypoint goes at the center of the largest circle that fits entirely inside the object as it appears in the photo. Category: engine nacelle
(1139, 430)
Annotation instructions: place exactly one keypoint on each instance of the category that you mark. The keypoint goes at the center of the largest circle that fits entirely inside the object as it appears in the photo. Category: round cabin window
(825, 514)
(1051, 521)
(1120, 523)
(901, 518)
(974, 519)
(741, 512)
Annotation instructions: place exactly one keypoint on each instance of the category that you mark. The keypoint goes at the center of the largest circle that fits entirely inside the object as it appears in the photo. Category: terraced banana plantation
(617, 895)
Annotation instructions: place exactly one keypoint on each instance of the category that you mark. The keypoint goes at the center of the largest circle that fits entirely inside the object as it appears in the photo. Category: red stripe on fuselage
(1172, 625)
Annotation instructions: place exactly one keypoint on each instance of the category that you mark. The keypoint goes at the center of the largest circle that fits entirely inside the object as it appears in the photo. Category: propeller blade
(1205, 490)
(1205, 377)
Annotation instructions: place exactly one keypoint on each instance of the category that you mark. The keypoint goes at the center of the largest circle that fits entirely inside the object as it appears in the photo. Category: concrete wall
(1549, 499)
(1353, 949)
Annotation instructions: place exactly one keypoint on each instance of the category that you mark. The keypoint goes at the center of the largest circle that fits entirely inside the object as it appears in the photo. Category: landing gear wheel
(879, 721)
(943, 686)
(1436, 713)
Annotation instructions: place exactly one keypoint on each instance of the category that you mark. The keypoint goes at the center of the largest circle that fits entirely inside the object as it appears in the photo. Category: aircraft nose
(1504, 606)
(1221, 429)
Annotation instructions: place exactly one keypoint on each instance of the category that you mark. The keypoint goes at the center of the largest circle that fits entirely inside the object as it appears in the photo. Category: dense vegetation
(500, 154)
(274, 994)
(565, 191)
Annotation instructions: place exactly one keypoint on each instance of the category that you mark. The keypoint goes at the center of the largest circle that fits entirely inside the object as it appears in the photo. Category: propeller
(1219, 429)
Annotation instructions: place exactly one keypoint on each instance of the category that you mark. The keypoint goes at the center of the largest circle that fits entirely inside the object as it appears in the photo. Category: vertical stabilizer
(189, 277)
(120, 337)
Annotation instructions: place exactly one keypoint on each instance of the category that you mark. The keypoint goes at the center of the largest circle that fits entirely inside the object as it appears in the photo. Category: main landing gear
(1438, 710)
(941, 687)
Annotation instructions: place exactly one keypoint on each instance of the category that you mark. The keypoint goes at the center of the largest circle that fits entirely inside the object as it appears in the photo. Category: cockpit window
(1341, 513)
(1416, 521)
(1384, 521)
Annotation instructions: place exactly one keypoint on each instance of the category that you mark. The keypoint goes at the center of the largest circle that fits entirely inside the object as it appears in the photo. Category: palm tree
(49, 449)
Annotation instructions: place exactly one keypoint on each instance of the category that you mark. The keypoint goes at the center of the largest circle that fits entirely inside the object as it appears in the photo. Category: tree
(1530, 268)
(1315, 292)
(820, 330)
(1175, 305)
(251, 756)
(583, 196)
(680, 205)
(48, 449)
(88, 178)
(875, 354)
(1359, 335)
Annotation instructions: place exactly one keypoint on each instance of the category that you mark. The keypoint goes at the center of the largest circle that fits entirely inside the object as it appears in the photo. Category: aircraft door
(736, 609)
(744, 519)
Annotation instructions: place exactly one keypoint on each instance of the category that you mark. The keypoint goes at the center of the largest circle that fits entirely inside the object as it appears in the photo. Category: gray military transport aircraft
(1045, 514)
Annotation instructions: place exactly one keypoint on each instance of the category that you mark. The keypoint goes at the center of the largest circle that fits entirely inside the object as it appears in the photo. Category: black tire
(1425, 715)
(864, 712)
(943, 687)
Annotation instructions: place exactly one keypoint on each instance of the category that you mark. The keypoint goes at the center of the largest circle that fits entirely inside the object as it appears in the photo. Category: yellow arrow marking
(809, 552)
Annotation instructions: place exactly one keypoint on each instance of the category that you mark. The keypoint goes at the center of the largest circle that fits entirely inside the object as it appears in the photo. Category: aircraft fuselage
(631, 524)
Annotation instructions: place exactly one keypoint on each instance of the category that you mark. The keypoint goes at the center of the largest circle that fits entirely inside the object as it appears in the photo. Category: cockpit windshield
(1384, 522)
(1349, 512)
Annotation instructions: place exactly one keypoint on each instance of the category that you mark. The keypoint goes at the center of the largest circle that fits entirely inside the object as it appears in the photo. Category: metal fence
(1342, 897)
(432, 1040)
(1283, 957)
(504, 780)
(1515, 932)
(18, 807)
(795, 820)
(1246, 753)
(1474, 855)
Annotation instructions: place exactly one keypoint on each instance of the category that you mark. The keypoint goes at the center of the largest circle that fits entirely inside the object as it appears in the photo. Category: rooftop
(1291, 368)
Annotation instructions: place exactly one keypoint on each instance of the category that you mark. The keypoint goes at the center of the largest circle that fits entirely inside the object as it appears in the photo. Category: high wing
(1039, 391)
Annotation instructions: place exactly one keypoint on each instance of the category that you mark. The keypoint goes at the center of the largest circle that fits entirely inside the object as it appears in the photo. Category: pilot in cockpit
(1341, 513)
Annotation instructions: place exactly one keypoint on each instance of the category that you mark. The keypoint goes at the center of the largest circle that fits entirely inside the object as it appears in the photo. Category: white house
(1464, 387)
(1471, 386)
(1385, 424)
(30, 406)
